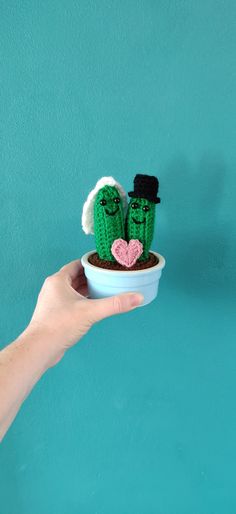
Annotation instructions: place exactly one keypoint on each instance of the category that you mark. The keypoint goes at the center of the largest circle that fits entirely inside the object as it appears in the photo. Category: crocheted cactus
(140, 218)
(140, 223)
(108, 221)
(103, 215)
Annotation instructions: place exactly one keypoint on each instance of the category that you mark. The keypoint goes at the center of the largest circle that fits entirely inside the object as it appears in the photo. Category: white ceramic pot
(105, 282)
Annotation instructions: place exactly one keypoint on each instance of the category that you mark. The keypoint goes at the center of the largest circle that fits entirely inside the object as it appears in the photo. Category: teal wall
(140, 416)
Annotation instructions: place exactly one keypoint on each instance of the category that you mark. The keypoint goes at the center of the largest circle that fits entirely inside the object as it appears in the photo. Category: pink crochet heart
(126, 253)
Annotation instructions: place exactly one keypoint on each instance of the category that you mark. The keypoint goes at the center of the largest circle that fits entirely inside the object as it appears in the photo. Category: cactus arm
(140, 222)
(108, 220)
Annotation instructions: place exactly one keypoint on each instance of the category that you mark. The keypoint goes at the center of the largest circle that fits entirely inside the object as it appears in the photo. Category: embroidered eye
(146, 208)
(116, 200)
(103, 202)
(134, 205)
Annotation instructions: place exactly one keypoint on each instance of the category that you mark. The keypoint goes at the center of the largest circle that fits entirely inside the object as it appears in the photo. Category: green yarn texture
(108, 220)
(140, 222)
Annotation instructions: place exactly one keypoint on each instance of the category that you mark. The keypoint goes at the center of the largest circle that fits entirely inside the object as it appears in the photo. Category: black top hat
(145, 186)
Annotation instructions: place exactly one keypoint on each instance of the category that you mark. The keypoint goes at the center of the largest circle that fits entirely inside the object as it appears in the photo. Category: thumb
(106, 307)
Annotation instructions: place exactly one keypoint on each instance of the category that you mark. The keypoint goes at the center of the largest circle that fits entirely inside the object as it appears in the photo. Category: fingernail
(136, 299)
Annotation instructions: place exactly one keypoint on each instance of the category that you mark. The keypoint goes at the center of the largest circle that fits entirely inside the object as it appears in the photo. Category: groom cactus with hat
(140, 218)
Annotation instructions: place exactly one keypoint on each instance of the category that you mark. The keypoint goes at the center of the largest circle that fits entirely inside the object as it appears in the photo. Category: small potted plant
(123, 260)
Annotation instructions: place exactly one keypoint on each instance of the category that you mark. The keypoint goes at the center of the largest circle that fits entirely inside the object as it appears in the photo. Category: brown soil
(96, 261)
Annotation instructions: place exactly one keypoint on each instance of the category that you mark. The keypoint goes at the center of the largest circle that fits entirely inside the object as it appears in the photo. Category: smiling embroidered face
(108, 201)
(140, 210)
(140, 223)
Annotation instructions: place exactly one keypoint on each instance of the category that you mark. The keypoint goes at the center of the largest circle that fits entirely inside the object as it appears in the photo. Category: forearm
(22, 363)
(61, 317)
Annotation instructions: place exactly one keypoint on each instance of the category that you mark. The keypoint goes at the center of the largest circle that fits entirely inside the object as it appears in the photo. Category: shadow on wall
(198, 238)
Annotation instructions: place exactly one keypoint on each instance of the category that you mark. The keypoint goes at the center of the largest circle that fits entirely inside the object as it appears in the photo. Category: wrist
(43, 343)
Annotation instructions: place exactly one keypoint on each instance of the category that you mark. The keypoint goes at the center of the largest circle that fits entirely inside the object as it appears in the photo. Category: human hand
(64, 312)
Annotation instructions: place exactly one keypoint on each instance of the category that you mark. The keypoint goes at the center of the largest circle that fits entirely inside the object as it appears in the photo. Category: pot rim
(159, 266)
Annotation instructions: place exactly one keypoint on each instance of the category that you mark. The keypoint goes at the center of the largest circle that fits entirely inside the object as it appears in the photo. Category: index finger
(72, 270)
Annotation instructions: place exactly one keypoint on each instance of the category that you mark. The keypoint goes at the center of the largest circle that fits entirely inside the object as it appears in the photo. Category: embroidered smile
(138, 222)
(111, 213)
